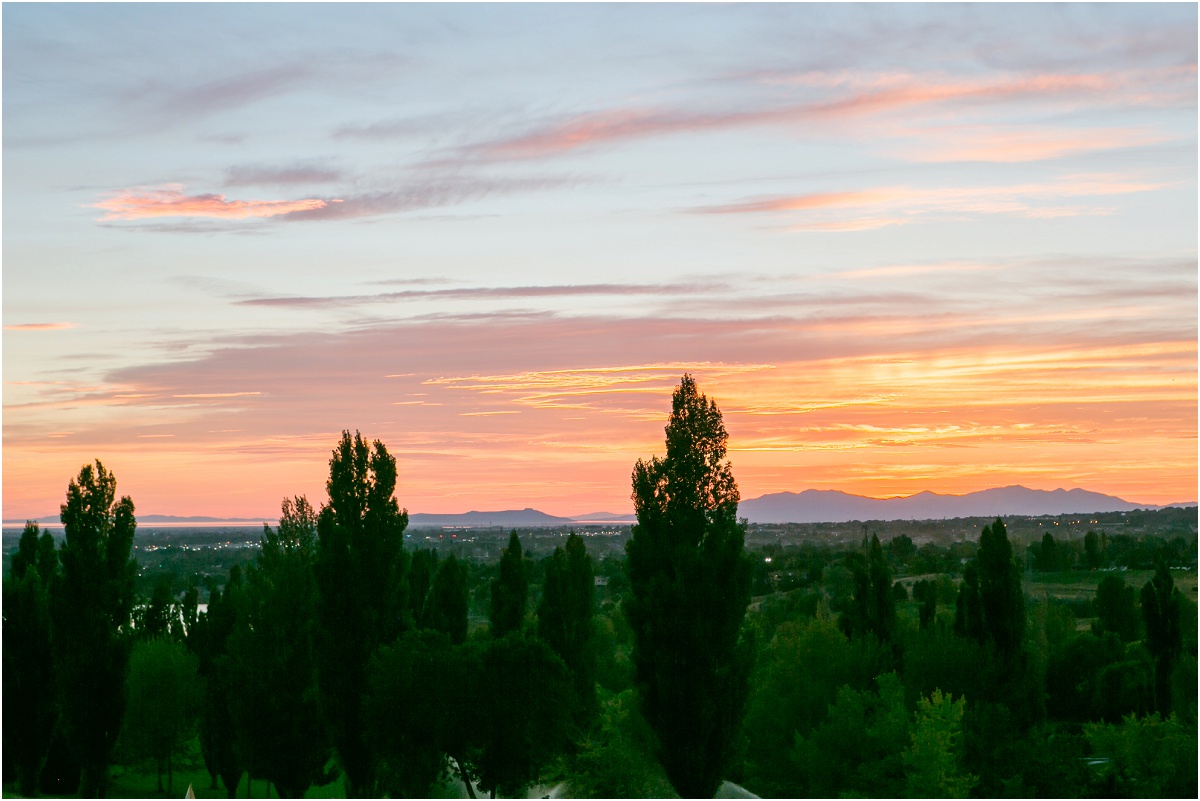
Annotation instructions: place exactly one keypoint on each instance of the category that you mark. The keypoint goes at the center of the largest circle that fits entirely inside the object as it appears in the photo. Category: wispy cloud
(171, 201)
(39, 327)
(845, 96)
(491, 293)
(261, 174)
(900, 204)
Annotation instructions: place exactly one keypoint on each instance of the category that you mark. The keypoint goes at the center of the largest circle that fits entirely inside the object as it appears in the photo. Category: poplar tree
(565, 620)
(91, 607)
(362, 592)
(30, 706)
(509, 590)
(1164, 637)
(1000, 592)
(690, 586)
(446, 609)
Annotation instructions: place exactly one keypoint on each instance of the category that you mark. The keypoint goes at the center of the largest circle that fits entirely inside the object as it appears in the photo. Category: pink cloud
(39, 326)
(170, 201)
(851, 96)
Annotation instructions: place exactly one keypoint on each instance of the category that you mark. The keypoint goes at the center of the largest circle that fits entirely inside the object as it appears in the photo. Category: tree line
(340, 655)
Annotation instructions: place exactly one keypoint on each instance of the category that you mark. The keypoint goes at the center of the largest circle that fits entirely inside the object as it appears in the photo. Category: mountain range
(810, 506)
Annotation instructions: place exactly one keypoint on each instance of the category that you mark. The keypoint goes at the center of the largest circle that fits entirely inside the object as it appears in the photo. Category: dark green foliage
(447, 606)
(1051, 556)
(420, 581)
(925, 593)
(1098, 678)
(406, 712)
(690, 587)
(154, 618)
(1091, 550)
(91, 605)
(968, 607)
(524, 713)
(873, 608)
(857, 750)
(899, 593)
(209, 640)
(565, 620)
(1149, 757)
(163, 700)
(272, 669)
(509, 590)
(795, 679)
(1000, 592)
(362, 590)
(901, 548)
(1164, 637)
(1116, 608)
(616, 760)
(30, 706)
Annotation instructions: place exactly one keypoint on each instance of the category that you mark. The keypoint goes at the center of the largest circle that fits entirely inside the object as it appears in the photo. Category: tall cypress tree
(690, 588)
(362, 592)
(446, 610)
(30, 706)
(91, 604)
(565, 619)
(1000, 591)
(1164, 637)
(509, 590)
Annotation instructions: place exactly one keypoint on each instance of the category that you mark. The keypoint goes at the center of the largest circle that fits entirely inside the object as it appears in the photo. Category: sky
(903, 247)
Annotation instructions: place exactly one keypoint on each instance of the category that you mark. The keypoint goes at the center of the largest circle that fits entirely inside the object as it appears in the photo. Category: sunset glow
(903, 248)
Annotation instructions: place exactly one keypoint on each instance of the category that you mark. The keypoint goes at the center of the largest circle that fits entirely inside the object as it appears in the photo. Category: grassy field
(1079, 585)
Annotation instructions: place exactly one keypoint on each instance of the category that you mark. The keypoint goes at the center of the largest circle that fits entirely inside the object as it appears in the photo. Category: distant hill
(512, 517)
(834, 506)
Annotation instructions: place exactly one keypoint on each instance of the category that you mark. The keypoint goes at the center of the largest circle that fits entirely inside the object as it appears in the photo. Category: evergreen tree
(209, 640)
(509, 590)
(274, 698)
(1164, 637)
(91, 605)
(1116, 608)
(30, 706)
(420, 581)
(163, 699)
(523, 713)
(362, 592)
(565, 619)
(968, 608)
(1000, 592)
(447, 605)
(873, 609)
(690, 586)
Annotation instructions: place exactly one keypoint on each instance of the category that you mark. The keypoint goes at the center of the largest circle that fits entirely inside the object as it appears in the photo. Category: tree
(1000, 592)
(968, 609)
(1164, 637)
(420, 580)
(91, 604)
(406, 718)
(933, 762)
(362, 588)
(447, 605)
(925, 593)
(509, 590)
(565, 620)
(524, 713)
(154, 618)
(164, 695)
(276, 711)
(1116, 608)
(30, 707)
(209, 640)
(690, 586)
(1091, 550)
(873, 609)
